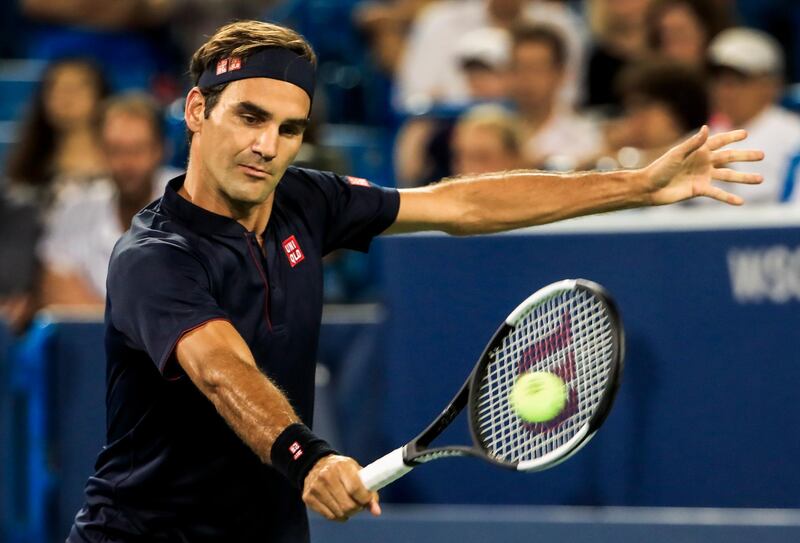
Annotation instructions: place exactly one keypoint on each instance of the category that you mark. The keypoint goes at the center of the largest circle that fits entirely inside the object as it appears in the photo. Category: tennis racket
(570, 328)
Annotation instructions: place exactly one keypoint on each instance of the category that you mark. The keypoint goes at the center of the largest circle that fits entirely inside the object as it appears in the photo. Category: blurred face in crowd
(250, 137)
(650, 124)
(478, 148)
(133, 152)
(681, 35)
(70, 96)
(505, 10)
(622, 14)
(742, 97)
(535, 75)
(486, 83)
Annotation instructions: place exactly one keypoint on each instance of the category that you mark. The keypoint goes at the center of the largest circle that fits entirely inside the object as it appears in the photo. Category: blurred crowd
(462, 86)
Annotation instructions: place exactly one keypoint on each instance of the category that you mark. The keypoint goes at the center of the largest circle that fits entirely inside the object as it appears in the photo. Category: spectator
(85, 226)
(555, 136)
(486, 139)
(663, 101)
(483, 55)
(422, 149)
(619, 37)
(682, 29)
(429, 71)
(747, 79)
(58, 145)
(19, 267)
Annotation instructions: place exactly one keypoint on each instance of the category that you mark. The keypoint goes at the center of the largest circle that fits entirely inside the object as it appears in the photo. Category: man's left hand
(686, 170)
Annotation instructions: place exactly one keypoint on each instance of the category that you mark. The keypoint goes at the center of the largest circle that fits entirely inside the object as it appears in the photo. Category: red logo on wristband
(296, 450)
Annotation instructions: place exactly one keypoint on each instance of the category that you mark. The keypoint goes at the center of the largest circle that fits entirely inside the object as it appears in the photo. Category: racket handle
(384, 470)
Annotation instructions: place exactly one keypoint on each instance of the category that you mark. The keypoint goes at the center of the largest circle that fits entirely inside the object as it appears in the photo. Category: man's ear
(194, 110)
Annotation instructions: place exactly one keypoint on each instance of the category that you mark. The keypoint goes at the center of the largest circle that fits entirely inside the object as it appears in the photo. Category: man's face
(251, 136)
(486, 83)
(133, 151)
(480, 149)
(535, 75)
(741, 97)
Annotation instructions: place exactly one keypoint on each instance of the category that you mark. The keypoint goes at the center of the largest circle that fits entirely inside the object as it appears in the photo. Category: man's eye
(249, 119)
(291, 130)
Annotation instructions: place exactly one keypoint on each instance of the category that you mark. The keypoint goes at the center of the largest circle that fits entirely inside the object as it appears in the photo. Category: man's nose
(266, 144)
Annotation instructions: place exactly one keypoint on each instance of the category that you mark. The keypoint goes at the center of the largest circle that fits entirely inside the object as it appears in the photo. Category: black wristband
(295, 451)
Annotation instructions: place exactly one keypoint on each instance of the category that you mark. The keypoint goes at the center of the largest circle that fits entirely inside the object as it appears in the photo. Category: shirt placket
(257, 255)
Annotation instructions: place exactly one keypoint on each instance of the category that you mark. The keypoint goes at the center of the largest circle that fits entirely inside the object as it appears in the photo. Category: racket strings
(570, 335)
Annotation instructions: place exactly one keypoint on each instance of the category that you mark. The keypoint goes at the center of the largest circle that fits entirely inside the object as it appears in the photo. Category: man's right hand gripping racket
(570, 329)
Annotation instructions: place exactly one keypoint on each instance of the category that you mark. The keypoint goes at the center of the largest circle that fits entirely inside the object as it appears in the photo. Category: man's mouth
(254, 171)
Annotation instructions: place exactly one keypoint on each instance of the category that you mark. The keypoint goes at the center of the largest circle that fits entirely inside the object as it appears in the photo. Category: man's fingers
(352, 482)
(732, 176)
(374, 505)
(718, 194)
(720, 140)
(321, 508)
(693, 143)
(718, 158)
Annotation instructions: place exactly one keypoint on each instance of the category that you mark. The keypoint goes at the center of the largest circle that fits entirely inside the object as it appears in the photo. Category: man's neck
(253, 217)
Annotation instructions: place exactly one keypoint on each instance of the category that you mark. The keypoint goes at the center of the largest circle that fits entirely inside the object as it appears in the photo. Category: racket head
(571, 328)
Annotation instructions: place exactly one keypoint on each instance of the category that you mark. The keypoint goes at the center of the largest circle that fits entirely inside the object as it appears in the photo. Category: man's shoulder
(153, 238)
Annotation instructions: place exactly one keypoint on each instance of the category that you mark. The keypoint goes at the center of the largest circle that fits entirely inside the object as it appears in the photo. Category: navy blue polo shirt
(172, 469)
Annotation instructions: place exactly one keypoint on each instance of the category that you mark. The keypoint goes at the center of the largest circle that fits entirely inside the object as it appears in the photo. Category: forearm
(509, 200)
(250, 403)
(221, 366)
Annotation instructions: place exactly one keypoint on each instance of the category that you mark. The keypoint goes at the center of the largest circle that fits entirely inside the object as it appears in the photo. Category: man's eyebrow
(252, 109)
(261, 113)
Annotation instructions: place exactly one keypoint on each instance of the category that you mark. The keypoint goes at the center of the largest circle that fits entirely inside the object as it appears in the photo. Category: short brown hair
(528, 32)
(135, 104)
(496, 118)
(681, 88)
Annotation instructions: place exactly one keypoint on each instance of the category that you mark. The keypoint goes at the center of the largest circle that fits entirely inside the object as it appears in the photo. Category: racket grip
(384, 470)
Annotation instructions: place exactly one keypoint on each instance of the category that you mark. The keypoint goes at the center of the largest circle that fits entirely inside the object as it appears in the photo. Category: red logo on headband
(228, 65)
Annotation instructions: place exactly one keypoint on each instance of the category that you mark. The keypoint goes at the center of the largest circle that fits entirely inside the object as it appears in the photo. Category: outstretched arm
(508, 200)
(221, 366)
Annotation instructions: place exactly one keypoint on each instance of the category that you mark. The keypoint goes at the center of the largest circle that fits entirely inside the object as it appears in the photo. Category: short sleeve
(157, 293)
(357, 210)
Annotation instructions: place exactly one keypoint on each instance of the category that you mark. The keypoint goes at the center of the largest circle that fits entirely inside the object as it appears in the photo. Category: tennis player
(215, 296)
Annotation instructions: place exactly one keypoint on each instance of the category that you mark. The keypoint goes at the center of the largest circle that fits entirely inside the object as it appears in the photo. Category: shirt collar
(198, 219)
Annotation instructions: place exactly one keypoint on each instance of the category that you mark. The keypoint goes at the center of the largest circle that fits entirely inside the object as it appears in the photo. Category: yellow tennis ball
(538, 396)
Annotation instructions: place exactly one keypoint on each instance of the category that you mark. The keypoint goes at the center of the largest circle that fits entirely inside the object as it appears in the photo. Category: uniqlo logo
(293, 251)
(357, 181)
(234, 63)
(222, 66)
(296, 450)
